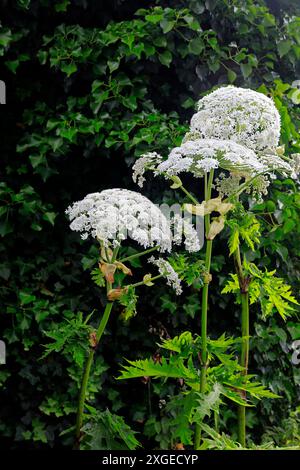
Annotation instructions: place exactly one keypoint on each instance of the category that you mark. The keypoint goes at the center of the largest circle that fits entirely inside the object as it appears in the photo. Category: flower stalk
(208, 252)
(244, 358)
(90, 359)
(87, 371)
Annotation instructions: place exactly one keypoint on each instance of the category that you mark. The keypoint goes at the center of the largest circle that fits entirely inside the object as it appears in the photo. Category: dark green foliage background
(90, 86)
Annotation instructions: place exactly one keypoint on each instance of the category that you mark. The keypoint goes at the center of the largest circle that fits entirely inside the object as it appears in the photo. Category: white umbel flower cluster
(145, 162)
(242, 115)
(235, 129)
(202, 155)
(116, 214)
(168, 272)
(275, 163)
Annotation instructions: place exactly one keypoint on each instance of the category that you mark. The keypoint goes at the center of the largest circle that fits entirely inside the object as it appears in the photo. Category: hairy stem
(208, 252)
(244, 359)
(244, 363)
(90, 359)
(86, 373)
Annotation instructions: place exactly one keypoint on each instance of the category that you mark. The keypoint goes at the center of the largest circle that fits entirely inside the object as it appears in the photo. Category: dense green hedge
(90, 86)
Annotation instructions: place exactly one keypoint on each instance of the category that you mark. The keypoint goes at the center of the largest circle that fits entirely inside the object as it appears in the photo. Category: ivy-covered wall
(90, 86)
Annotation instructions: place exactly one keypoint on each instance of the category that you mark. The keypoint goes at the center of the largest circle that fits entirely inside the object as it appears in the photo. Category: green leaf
(5, 37)
(295, 96)
(98, 277)
(154, 18)
(113, 65)
(12, 65)
(167, 25)
(208, 403)
(5, 227)
(107, 431)
(50, 217)
(165, 58)
(196, 46)
(172, 368)
(62, 5)
(284, 47)
(26, 297)
(128, 300)
(231, 76)
(69, 68)
(37, 160)
(246, 70)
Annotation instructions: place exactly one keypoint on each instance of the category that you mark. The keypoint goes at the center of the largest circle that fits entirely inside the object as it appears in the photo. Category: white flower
(145, 162)
(227, 185)
(113, 214)
(207, 164)
(184, 227)
(201, 155)
(286, 166)
(259, 187)
(242, 115)
(295, 162)
(168, 272)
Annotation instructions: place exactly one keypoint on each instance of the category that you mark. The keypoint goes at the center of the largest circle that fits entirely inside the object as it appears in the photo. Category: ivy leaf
(284, 47)
(165, 58)
(246, 70)
(231, 76)
(26, 298)
(50, 217)
(167, 25)
(69, 68)
(113, 65)
(196, 46)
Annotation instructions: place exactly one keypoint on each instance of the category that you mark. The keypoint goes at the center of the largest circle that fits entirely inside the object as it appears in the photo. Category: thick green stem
(86, 373)
(208, 252)
(204, 317)
(244, 359)
(244, 362)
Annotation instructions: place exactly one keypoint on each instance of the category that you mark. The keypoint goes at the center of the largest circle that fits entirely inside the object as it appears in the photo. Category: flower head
(242, 115)
(115, 214)
(168, 272)
(285, 166)
(201, 155)
(147, 161)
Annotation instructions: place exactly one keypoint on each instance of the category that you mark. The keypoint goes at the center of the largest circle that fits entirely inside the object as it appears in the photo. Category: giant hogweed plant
(234, 132)
(112, 217)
